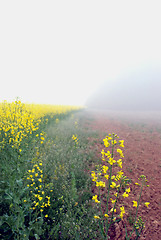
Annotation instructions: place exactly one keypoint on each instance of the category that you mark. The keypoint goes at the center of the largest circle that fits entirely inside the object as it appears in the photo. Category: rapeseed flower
(119, 162)
(104, 168)
(135, 204)
(100, 184)
(122, 212)
(96, 217)
(95, 199)
(147, 204)
(106, 143)
(121, 143)
(111, 161)
(125, 195)
(113, 185)
(113, 200)
(120, 152)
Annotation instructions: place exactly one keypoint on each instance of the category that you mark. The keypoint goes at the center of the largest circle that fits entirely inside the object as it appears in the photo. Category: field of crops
(41, 170)
(66, 174)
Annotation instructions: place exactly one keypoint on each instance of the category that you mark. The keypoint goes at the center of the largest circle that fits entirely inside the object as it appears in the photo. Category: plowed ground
(142, 136)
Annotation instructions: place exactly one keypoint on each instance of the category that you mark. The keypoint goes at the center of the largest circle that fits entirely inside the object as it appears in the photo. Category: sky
(59, 52)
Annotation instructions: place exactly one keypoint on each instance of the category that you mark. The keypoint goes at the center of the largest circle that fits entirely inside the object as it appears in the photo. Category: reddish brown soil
(142, 157)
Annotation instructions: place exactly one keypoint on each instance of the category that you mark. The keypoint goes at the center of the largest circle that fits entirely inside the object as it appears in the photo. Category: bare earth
(142, 135)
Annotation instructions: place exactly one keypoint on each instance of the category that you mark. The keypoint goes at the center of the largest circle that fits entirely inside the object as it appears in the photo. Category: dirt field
(142, 135)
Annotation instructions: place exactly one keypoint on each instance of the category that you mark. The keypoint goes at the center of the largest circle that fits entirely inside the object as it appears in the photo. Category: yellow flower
(125, 195)
(108, 154)
(137, 183)
(111, 161)
(128, 190)
(113, 185)
(93, 174)
(113, 210)
(113, 201)
(115, 194)
(121, 143)
(147, 204)
(94, 179)
(106, 176)
(100, 184)
(119, 162)
(95, 199)
(103, 153)
(120, 152)
(104, 168)
(122, 212)
(46, 215)
(106, 215)
(96, 217)
(135, 204)
(106, 143)
(114, 142)
(40, 198)
(120, 173)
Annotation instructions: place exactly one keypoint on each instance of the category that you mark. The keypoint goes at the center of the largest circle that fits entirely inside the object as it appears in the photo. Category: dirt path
(142, 157)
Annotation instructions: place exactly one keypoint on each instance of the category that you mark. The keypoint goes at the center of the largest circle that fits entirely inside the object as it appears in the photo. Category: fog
(138, 90)
(59, 52)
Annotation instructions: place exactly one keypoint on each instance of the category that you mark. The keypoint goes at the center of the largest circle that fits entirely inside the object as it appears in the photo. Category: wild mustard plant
(138, 224)
(113, 188)
(37, 188)
(75, 139)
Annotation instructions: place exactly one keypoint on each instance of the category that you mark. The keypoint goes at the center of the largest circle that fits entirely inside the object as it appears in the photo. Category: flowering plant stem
(117, 189)
(128, 238)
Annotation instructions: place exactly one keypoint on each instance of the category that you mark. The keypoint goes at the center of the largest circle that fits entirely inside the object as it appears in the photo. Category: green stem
(101, 220)
(108, 193)
(136, 210)
(114, 206)
(109, 183)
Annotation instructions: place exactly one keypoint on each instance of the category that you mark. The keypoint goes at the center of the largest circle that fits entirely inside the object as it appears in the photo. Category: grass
(70, 164)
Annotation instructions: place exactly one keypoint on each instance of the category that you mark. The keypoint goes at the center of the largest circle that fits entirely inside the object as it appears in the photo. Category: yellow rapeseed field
(18, 120)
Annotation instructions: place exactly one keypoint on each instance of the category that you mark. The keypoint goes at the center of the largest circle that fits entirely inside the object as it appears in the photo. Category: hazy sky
(59, 52)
